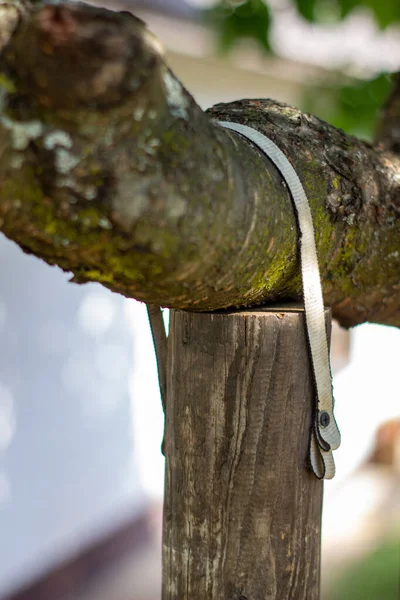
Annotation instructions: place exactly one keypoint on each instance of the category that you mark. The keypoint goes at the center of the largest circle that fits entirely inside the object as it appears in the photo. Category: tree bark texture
(242, 512)
(109, 169)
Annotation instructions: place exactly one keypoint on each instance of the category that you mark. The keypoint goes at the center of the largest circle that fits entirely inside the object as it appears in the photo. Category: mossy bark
(109, 169)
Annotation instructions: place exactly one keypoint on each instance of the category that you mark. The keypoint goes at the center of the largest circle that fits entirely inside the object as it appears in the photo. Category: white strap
(325, 435)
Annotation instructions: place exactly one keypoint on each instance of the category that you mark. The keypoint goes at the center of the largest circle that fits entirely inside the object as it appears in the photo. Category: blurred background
(81, 473)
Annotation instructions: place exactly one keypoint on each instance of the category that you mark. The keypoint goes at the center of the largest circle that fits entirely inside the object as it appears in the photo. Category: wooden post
(242, 512)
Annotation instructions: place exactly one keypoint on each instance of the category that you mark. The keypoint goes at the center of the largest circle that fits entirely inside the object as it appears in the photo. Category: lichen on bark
(110, 170)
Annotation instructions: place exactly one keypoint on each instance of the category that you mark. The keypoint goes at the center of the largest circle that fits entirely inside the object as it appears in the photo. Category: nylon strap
(325, 435)
(159, 336)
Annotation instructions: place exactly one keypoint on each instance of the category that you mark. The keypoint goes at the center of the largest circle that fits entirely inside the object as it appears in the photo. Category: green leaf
(236, 20)
(385, 12)
(346, 6)
(306, 8)
(351, 107)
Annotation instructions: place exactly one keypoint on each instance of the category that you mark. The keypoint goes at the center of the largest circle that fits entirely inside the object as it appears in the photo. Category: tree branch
(109, 169)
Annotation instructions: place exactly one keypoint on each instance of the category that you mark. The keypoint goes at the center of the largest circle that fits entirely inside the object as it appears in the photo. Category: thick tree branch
(109, 169)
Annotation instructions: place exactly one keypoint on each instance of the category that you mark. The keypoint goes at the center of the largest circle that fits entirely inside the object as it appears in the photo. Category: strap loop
(325, 435)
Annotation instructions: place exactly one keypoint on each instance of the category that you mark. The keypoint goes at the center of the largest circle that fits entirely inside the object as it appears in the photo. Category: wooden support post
(242, 512)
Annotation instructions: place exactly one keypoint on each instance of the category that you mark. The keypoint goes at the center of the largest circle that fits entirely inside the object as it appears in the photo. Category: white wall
(68, 471)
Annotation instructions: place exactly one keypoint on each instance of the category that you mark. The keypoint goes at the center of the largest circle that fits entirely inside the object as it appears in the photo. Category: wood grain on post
(242, 512)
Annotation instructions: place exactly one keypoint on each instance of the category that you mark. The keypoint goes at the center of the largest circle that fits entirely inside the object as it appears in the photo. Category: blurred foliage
(385, 12)
(235, 19)
(352, 107)
(376, 577)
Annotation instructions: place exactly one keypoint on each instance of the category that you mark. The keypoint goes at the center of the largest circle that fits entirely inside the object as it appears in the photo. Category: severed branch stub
(110, 170)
